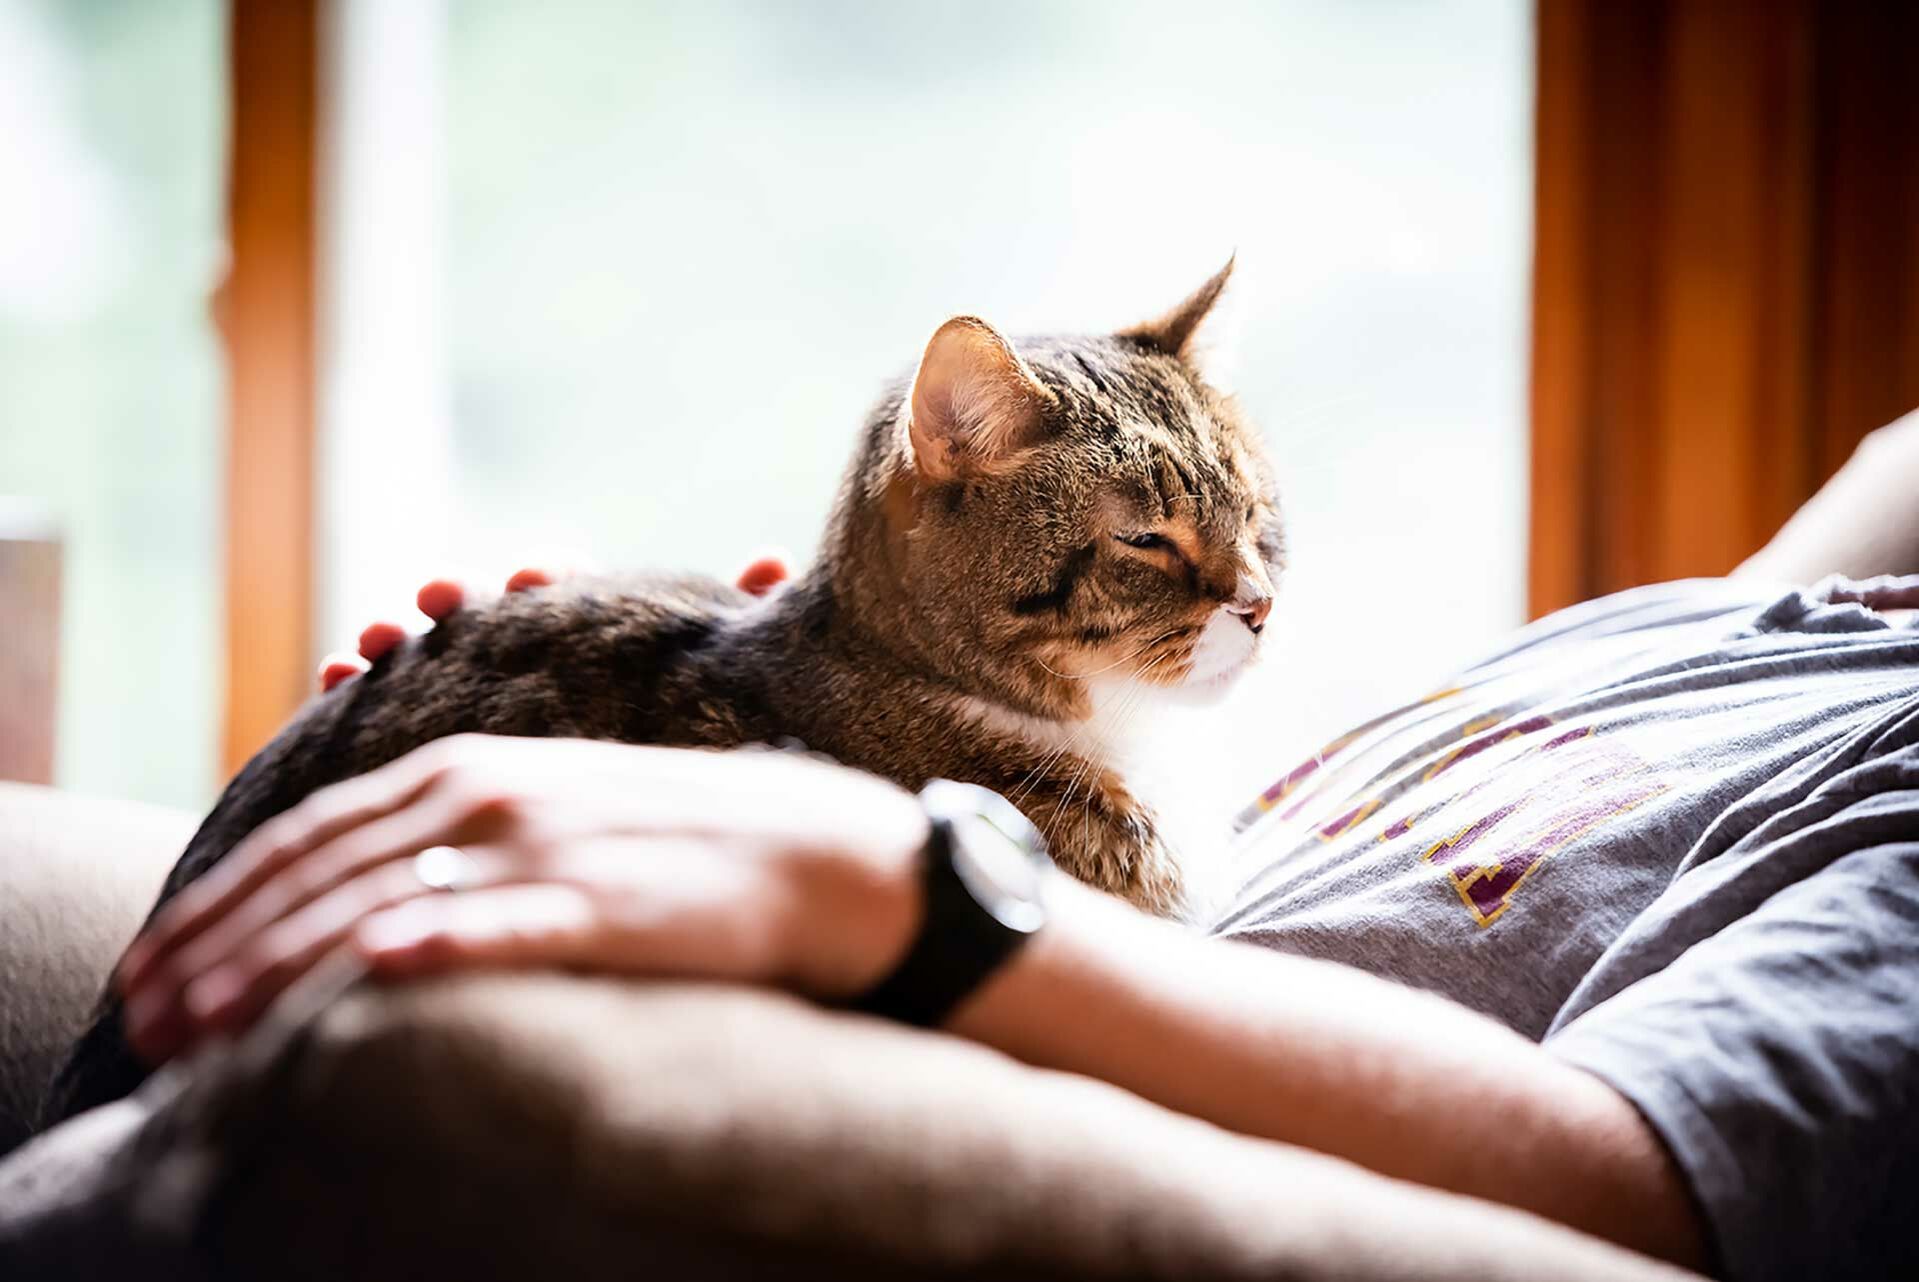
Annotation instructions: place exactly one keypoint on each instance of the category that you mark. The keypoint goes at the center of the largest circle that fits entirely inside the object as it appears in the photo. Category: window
(670, 252)
(621, 279)
(111, 120)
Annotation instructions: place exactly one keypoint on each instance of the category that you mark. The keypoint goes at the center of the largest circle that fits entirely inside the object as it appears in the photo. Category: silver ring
(446, 868)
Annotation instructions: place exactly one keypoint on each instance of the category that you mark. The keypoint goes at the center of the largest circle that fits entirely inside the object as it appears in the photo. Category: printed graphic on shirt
(1591, 780)
(1522, 810)
(1291, 786)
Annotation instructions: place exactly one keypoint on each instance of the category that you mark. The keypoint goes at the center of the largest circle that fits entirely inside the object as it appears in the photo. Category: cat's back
(605, 658)
(602, 658)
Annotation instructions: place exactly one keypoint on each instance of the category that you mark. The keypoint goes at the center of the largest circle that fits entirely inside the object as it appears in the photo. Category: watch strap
(959, 944)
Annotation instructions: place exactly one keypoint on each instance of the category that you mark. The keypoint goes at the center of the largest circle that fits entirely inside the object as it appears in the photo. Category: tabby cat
(1029, 535)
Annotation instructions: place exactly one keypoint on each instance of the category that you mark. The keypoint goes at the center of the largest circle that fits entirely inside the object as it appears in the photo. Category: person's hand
(441, 597)
(754, 866)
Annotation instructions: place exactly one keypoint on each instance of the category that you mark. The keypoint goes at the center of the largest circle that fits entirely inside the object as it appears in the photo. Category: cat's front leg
(1099, 832)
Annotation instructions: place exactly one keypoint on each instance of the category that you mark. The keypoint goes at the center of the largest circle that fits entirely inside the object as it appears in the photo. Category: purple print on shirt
(1595, 781)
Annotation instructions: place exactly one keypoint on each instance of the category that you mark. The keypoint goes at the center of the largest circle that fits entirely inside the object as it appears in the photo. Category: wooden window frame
(267, 313)
(1726, 274)
(1726, 297)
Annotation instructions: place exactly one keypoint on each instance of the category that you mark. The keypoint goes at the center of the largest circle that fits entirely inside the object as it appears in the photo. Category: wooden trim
(1726, 240)
(1560, 520)
(1868, 235)
(266, 309)
(1732, 259)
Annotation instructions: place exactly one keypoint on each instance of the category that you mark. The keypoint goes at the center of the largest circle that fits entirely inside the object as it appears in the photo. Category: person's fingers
(438, 598)
(526, 579)
(378, 639)
(694, 916)
(232, 992)
(320, 874)
(262, 854)
(763, 574)
(544, 923)
(441, 597)
(1883, 592)
(337, 667)
(1891, 592)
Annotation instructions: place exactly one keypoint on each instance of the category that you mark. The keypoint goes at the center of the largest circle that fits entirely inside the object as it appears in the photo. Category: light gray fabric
(1779, 1056)
(1673, 833)
(507, 1127)
(77, 876)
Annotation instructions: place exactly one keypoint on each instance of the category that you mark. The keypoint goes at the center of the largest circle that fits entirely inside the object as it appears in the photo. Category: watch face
(997, 851)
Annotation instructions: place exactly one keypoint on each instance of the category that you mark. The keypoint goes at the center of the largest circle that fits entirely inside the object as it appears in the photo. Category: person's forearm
(1861, 523)
(1322, 1056)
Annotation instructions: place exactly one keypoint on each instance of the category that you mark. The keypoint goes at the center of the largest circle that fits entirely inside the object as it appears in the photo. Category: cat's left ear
(1175, 332)
(974, 402)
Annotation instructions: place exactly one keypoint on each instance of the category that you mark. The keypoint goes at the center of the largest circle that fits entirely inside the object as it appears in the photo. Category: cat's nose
(1252, 611)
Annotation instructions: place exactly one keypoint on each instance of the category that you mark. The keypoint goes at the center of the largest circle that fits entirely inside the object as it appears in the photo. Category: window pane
(686, 243)
(111, 146)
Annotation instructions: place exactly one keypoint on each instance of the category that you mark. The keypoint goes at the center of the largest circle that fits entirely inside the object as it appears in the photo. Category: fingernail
(528, 578)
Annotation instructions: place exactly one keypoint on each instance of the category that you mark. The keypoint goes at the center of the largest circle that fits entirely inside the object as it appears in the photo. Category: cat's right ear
(1175, 332)
(974, 402)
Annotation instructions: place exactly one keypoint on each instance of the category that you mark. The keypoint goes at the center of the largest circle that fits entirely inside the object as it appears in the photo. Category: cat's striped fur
(1027, 535)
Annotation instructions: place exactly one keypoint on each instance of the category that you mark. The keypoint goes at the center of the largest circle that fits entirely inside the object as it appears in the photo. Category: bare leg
(1864, 522)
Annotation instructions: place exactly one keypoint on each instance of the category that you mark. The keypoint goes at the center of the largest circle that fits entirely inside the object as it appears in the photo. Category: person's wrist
(860, 894)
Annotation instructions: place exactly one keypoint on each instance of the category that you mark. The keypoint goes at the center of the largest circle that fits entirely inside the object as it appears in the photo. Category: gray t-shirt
(1674, 834)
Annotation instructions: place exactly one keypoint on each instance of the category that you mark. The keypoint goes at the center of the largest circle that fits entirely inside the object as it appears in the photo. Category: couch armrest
(77, 876)
(505, 1127)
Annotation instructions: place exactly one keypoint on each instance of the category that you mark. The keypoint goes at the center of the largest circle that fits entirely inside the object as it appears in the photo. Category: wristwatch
(984, 871)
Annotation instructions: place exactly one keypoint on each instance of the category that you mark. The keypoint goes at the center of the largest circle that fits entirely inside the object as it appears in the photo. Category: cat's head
(1088, 507)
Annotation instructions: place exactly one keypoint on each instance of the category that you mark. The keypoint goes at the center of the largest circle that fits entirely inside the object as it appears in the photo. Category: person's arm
(766, 868)
(1323, 1056)
(1862, 523)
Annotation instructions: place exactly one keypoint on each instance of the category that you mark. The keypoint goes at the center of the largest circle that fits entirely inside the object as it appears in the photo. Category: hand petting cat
(577, 853)
(775, 868)
(441, 597)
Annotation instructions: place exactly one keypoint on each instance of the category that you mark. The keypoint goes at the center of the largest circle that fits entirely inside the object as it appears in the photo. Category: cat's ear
(974, 402)
(1174, 332)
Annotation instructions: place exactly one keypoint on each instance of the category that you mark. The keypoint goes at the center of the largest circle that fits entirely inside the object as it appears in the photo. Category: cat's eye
(1146, 540)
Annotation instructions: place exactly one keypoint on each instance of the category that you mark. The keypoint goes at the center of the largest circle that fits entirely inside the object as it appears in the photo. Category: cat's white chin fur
(1225, 650)
(1119, 734)
(1122, 706)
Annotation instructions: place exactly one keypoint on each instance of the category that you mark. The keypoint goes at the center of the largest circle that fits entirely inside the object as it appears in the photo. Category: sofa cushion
(77, 876)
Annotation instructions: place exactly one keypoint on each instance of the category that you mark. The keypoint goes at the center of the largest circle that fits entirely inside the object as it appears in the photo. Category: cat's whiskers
(1078, 731)
(1125, 658)
(1087, 761)
(1132, 698)
(1046, 763)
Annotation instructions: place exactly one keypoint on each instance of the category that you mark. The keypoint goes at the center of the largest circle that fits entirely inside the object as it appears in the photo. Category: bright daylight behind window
(113, 117)
(685, 245)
